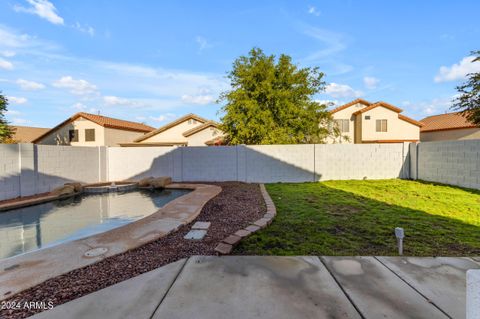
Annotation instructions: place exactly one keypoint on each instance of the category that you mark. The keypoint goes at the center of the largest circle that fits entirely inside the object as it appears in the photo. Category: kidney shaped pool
(26, 229)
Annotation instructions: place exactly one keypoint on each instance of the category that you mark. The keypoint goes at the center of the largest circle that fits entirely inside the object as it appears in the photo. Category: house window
(192, 121)
(90, 135)
(343, 125)
(367, 117)
(73, 135)
(381, 125)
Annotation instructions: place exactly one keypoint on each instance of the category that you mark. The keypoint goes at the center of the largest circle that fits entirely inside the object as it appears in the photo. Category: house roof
(200, 128)
(377, 104)
(447, 121)
(101, 120)
(344, 106)
(27, 134)
(170, 125)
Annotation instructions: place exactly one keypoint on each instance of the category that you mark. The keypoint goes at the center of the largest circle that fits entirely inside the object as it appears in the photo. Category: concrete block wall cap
(223, 249)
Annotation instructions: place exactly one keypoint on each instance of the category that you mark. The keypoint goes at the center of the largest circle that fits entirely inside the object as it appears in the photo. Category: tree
(270, 102)
(6, 132)
(468, 103)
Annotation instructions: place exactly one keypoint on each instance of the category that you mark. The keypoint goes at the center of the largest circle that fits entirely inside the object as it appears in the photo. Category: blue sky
(153, 61)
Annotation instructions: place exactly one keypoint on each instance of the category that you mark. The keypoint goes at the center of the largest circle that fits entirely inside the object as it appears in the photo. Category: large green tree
(6, 132)
(468, 102)
(270, 102)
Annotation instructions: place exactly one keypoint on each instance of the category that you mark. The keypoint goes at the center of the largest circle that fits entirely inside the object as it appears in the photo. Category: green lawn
(359, 217)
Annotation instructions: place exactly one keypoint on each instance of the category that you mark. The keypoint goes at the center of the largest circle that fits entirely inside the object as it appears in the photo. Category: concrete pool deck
(269, 287)
(24, 271)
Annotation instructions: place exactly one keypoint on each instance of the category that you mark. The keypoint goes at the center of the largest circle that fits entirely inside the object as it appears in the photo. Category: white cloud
(332, 42)
(29, 85)
(202, 43)
(115, 100)
(314, 11)
(84, 29)
(6, 65)
(77, 87)
(370, 82)
(162, 118)
(436, 106)
(8, 53)
(336, 90)
(16, 100)
(42, 8)
(458, 71)
(198, 99)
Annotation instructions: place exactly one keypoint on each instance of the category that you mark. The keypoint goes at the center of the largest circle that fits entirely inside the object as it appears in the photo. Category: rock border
(225, 247)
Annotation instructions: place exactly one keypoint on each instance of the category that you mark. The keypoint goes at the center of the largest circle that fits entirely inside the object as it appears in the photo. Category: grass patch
(359, 217)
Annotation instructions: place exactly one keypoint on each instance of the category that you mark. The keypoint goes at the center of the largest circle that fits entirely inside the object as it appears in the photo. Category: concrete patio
(284, 287)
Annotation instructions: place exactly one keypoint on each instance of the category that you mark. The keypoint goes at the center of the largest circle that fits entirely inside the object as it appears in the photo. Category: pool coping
(24, 271)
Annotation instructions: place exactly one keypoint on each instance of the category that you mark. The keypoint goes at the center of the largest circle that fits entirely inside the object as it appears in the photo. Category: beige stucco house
(189, 130)
(449, 126)
(85, 129)
(361, 121)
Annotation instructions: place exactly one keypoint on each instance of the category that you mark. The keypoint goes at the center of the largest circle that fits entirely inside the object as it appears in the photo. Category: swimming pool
(30, 228)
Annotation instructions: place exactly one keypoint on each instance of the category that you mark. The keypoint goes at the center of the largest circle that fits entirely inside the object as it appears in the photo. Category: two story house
(361, 121)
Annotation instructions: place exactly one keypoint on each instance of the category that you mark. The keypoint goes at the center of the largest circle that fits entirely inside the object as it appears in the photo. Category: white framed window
(381, 125)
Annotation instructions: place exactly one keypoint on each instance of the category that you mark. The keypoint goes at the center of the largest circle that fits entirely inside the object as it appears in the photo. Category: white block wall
(139, 162)
(61, 164)
(9, 171)
(450, 162)
(262, 163)
(27, 169)
(361, 161)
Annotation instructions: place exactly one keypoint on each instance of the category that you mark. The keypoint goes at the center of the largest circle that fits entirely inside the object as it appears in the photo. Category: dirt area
(237, 206)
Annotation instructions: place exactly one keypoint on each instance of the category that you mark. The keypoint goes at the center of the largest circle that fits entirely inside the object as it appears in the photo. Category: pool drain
(96, 252)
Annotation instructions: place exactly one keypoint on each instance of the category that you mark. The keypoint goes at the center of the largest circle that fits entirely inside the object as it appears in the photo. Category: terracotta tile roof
(200, 128)
(102, 121)
(447, 121)
(26, 134)
(115, 123)
(171, 124)
(344, 106)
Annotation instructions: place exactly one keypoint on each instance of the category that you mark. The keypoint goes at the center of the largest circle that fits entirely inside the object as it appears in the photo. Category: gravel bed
(238, 205)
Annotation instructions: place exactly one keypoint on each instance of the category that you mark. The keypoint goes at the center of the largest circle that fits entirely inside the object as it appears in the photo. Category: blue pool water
(30, 228)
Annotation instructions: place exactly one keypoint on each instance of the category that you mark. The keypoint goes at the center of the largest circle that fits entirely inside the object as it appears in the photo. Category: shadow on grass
(315, 219)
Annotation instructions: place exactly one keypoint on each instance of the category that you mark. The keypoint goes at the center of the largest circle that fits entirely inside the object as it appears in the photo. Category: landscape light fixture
(399, 233)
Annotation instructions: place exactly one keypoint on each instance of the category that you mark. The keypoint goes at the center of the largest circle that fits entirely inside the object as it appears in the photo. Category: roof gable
(377, 104)
(200, 128)
(170, 125)
(345, 106)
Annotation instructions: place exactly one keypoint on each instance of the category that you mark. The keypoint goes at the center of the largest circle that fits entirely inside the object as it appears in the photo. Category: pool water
(30, 228)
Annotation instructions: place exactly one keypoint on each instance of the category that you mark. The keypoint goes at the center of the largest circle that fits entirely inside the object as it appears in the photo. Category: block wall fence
(27, 169)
